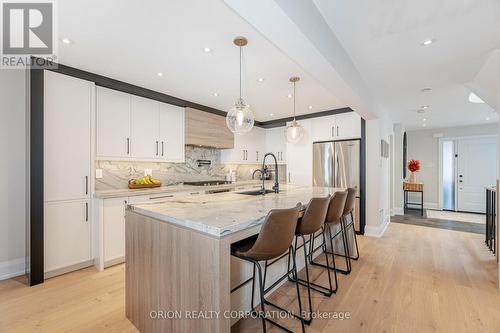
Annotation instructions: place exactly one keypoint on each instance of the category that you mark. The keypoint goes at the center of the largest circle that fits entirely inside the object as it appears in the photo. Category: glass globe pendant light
(240, 118)
(294, 131)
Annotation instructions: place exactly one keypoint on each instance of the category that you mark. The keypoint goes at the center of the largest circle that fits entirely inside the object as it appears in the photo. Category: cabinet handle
(128, 146)
(162, 148)
(124, 208)
(86, 185)
(333, 132)
(157, 150)
(162, 196)
(337, 131)
(243, 154)
(257, 157)
(289, 178)
(86, 212)
(194, 193)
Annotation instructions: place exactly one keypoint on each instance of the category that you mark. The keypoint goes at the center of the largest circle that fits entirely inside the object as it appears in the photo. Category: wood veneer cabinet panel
(169, 268)
(208, 130)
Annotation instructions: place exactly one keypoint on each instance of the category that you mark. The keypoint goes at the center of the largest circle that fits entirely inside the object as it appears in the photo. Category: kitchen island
(179, 270)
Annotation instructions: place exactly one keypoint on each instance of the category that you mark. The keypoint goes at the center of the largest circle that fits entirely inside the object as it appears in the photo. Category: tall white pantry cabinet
(68, 169)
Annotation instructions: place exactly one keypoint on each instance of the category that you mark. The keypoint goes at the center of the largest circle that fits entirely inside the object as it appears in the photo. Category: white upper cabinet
(144, 128)
(172, 133)
(67, 134)
(348, 126)
(133, 128)
(299, 157)
(276, 143)
(113, 124)
(336, 127)
(249, 148)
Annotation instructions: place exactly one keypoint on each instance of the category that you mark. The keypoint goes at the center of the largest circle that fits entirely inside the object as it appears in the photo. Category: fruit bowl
(145, 182)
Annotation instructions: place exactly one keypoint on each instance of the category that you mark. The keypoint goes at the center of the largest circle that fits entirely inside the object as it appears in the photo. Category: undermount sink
(255, 192)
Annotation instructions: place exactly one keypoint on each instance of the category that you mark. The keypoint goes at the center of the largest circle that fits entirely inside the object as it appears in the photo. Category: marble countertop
(119, 193)
(222, 214)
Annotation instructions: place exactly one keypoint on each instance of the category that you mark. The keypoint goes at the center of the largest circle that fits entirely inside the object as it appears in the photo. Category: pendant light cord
(294, 101)
(240, 70)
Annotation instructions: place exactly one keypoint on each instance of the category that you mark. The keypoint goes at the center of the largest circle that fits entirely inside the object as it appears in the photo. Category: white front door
(477, 167)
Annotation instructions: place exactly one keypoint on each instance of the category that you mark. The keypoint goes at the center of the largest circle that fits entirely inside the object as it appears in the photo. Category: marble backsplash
(116, 174)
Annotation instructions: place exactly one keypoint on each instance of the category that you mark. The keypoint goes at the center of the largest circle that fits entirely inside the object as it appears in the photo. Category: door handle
(86, 185)
(162, 148)
(86, 212)
(128, 146)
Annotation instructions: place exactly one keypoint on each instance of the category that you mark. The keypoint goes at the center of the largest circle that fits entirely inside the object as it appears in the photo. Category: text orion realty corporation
(29, 34)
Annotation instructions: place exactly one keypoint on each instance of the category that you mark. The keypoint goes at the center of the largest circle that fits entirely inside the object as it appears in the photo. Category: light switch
(98, 173)
(148, 172)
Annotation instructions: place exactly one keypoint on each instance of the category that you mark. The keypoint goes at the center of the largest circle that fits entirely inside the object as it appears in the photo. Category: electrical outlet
(98, 173)
(148, 172)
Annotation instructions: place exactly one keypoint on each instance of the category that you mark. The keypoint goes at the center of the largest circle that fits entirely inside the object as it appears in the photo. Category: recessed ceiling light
(207, 50)
(310, 107)
(425, 107)
(160, 74)
(67, 41)
(487, 118)
(425, 90)
(271, 114)
(215, 94)
(424, 119)
(290, 96)
(473, 98)
(428, 42)
(261, 79)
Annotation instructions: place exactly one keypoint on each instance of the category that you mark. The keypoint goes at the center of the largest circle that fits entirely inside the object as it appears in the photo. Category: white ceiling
(383, 39)
(132, 41)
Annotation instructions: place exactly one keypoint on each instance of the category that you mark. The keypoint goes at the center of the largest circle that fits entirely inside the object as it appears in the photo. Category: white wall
(12, 171)
(377, 177)
(424, 147)
(398, 169)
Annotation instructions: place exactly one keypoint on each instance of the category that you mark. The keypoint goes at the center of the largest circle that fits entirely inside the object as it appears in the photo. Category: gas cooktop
(208, 183)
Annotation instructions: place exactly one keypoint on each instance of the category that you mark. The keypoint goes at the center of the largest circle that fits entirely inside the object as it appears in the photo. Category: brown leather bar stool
(333, 218)
(311, 222)
(274, 239)
(348, 220)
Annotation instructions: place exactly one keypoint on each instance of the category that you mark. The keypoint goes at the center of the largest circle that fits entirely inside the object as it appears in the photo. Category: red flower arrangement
(414, 165)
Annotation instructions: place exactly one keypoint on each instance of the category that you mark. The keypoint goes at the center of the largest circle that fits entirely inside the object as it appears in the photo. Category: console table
(414, 188)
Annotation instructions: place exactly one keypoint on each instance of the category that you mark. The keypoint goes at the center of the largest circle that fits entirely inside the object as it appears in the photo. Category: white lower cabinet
(67, 236)
(114, 230)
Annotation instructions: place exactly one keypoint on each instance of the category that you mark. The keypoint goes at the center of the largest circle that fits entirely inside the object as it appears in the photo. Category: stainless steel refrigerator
(337, 164)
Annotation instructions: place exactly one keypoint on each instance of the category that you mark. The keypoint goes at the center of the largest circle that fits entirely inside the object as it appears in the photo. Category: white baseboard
(430, 205)
(377, 231)
(12, 268)
(399, 211)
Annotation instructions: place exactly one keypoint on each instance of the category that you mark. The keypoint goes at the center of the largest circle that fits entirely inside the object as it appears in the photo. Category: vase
(413, 177)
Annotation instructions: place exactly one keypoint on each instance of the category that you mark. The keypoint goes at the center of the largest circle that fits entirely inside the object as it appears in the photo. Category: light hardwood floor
(414, 279)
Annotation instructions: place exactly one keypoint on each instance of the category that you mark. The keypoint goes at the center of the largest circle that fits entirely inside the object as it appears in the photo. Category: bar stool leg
(328, 265)
(298, 291)
(262, 300)
(309, 319)
(355, 238)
